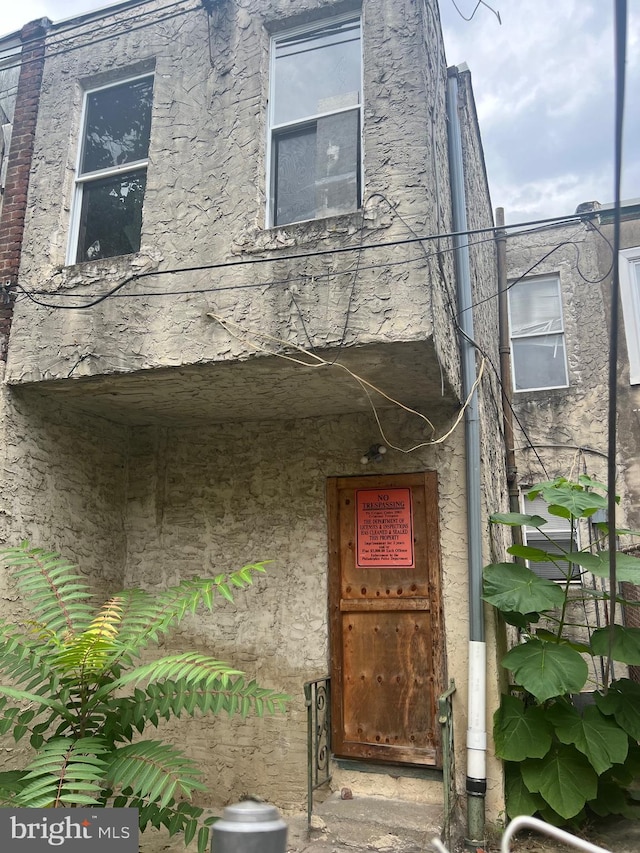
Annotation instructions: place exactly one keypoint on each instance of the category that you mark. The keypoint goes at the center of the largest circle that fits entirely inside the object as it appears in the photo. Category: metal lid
(250, 811)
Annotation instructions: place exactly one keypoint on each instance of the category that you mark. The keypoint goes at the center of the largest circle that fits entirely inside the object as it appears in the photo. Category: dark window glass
(117, 125)
(111, 216)
(317, 169)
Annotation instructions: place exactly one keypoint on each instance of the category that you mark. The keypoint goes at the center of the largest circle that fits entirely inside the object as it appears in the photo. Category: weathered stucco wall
(148, 506)
(206, 194)
(171, 495)
(568, 426)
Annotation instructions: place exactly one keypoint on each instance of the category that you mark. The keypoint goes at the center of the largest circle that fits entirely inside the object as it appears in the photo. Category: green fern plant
(76, 687)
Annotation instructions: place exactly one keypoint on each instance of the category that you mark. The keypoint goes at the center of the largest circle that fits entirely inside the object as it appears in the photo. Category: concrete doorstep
(366, 823)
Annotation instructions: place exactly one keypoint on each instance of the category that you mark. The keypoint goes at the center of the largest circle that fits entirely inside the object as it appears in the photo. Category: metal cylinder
(249, 827)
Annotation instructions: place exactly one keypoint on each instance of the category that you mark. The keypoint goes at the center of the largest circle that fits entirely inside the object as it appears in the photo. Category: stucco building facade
(560, 320)
(235, 280)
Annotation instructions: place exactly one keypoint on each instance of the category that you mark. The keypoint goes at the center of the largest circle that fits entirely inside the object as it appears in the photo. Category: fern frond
(24, 659)
(53, 588)
(166, 699)
(11, 783)
(93, 650)
(65, 772)
(145, 618)
(153, 771)
(41, 702)
(189, 667)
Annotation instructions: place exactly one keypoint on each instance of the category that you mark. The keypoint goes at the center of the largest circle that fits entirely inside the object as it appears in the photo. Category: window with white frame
(111, 175)
(630, 297)
(315, 122)
(537, 335)
(563, 537)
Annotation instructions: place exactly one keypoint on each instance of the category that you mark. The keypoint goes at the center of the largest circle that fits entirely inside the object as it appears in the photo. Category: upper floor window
(537, 335)
(112, 170)
(630, 297)
(314, 123)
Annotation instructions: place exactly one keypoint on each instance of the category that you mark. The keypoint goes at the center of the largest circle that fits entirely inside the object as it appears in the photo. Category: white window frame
(630, 298)
(273, 128)
(556, 527)
(559, 332)
(81, 180)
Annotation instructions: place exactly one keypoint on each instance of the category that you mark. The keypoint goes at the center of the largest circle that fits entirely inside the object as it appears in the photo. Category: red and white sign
(384, 529)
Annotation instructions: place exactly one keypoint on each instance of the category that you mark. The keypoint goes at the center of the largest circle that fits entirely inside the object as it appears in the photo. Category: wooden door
(387, 644)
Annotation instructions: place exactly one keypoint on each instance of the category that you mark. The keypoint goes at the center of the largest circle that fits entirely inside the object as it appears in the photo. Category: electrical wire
(477, 6)
(318, 361)
(125, 22)
(360, 247)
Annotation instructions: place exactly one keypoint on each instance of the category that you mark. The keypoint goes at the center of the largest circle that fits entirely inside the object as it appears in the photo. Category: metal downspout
(476, 782)
(505, 372)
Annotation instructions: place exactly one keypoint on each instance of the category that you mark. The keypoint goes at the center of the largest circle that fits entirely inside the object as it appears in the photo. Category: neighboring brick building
(21, 66)
(238, 291)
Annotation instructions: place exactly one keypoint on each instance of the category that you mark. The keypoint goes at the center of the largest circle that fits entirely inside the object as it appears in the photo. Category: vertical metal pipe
(476, 781)
(505, 371)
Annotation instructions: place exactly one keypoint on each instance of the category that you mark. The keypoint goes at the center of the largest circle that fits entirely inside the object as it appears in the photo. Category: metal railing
(524, 822)
(317, 696)
(445, 718)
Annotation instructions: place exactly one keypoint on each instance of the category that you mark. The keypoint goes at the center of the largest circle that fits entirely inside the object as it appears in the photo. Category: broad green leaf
(530, 553)
(519, 620)
(563, 777)
(517, 519)
(626, 643)
(627, 567)
(579, 502)
(596, 736)
(520, 732)
(611, 799)
(509, 586)
(546, 669)
(622, 700)
(519, 799)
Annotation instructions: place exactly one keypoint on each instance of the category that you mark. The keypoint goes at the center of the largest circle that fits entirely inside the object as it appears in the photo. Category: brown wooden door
(386, 633)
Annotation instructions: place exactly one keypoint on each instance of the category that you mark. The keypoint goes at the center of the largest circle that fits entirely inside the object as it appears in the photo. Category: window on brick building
(537, 335)
(630, 297)
(112, 170)
(315, 122)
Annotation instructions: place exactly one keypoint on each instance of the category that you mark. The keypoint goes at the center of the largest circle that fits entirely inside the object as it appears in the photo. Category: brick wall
(20, 154)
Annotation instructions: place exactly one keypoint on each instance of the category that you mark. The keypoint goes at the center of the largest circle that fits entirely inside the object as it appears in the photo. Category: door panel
(386, 633)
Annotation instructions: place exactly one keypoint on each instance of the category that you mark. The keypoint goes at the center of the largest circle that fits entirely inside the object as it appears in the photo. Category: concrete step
(377, 823)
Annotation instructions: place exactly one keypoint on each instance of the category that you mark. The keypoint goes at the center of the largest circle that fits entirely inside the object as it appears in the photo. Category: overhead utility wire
(620, 59)
(125, 32)
(98, 15)
(293, 257)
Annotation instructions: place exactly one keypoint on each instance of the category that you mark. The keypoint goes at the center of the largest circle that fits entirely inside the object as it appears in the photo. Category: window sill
(308, 232)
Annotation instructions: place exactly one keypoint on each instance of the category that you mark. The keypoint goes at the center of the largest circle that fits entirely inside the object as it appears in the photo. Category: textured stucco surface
(150, 442)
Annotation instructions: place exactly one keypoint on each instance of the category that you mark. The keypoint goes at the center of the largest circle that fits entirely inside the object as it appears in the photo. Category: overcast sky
(544, 88)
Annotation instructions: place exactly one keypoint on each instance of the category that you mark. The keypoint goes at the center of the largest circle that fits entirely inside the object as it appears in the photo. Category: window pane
(539, 362)
(551, 571)
(316, 169)
(295, 168)
(111, 216)
(534, 307)
(317, 73)
(117, 125)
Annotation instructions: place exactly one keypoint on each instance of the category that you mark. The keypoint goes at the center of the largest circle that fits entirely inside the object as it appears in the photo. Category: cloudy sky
(544, 86)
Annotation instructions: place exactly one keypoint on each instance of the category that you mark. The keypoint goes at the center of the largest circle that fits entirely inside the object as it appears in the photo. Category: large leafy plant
(77, 688)
(563, 758)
